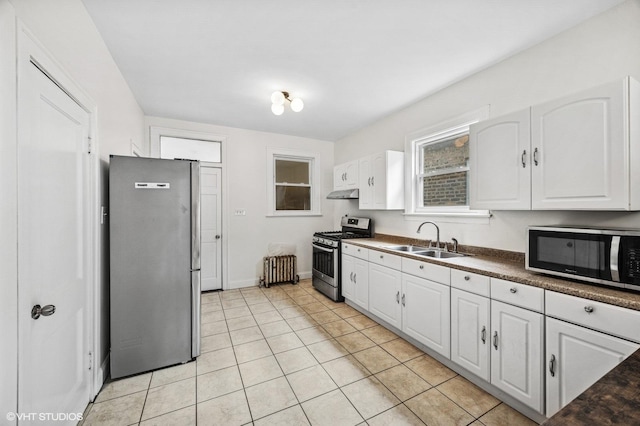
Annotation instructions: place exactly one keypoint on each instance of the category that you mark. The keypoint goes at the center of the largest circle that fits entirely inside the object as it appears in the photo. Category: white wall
(66, 31)
(248, 237)
(602, 49)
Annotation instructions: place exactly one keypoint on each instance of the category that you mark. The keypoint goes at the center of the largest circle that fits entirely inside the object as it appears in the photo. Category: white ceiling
(351, 61)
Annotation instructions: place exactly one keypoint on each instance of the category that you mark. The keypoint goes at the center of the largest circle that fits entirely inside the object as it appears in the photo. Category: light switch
(240, 212)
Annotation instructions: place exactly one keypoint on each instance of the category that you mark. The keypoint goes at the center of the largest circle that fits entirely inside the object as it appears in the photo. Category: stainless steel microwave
(604, 256)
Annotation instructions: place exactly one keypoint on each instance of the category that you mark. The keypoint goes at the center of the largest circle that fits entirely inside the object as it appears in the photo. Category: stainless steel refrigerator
(154, 237)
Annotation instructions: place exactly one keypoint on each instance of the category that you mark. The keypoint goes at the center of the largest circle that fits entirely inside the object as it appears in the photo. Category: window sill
(294, 214)
(474, 216)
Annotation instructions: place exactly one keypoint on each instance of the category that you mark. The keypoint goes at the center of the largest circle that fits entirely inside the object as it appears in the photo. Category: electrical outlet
(240, 212)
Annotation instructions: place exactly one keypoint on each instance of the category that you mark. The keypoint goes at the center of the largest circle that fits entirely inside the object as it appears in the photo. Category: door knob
(45, 311)
(217, 237)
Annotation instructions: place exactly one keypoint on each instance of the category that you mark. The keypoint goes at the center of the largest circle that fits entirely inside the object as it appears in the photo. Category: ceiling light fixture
(277, 103)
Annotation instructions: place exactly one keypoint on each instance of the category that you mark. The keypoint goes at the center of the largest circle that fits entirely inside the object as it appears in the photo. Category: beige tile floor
(287, 355)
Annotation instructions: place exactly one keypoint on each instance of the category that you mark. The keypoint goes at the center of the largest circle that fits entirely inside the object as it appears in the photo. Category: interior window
(190, 149)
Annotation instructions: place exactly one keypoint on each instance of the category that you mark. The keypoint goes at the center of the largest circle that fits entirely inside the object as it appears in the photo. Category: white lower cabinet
(355, 280)
(516, 355)
(577, 357)
(385, 294)
(470, 330)
(426, 313)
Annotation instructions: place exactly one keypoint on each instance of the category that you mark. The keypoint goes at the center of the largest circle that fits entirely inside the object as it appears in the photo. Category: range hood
(344, 194)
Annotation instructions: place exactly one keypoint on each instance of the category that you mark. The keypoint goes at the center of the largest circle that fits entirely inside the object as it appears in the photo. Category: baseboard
(101, 375)
(256, 281)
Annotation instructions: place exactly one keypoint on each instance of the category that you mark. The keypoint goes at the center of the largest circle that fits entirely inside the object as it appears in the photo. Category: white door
(470, 329)
(516, 357)
(384, 294)
(53, 249)
(425, 313)
(500, 172)
(577, 358)
(211, 227)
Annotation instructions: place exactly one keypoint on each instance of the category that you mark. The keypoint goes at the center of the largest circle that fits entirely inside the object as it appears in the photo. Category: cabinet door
(470, 342)
(339, 177)
(366, 190)
(384, 294)
(576, 358)
(348, 287)
(379, 180)
(516, 355)
(500, 169)
(351, 174)
(580, 151)
(361, 283)
(425, 312)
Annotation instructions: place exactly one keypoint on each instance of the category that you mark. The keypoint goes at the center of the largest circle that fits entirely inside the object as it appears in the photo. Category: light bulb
(277, 109)
(277, 98)
(297, 104)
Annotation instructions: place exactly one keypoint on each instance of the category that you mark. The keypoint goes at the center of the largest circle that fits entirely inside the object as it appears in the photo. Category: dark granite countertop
(612, 400)
(509, 266)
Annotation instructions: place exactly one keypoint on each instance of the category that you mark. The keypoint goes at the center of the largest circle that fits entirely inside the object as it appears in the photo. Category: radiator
(279, 269)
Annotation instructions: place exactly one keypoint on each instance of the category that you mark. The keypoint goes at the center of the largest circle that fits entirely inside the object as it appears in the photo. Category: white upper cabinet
(381, 181)
(345, 176)
(581, 147)
(500, 172)
(577, 154)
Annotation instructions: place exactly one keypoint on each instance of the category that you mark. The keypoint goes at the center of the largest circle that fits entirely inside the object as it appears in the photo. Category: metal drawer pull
(45, 311)
(403, 300)
(524, 156)
(588, 309)
(495, 340)
(483, 335)
(467, 277)
(513, 290)
(381, 257)
(398, 297)
(552, 366)
(421, 266)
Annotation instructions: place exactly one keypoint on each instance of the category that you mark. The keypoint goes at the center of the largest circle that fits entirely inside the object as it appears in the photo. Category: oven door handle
(322, 248)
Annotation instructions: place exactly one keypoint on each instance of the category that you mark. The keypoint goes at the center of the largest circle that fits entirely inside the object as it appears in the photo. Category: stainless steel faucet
(437, 232)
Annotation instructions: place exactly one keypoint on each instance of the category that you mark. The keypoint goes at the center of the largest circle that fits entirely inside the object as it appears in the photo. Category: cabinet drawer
(356, 251)
(468, 281)
(430, 271)
(385, 259)
(599, 316)
(522, 295)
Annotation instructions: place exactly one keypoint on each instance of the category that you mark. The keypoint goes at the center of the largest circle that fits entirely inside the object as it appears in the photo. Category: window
(291, 180)
(439, 169)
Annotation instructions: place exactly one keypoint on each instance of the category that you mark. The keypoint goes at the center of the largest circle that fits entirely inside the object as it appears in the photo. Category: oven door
(325, 264)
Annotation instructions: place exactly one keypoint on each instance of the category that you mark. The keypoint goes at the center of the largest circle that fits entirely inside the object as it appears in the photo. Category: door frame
(31, 51)
(154, 151)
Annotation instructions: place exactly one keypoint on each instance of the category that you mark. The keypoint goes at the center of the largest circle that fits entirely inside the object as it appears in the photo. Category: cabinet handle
(351, 277)
(552, 365)
(358, 250)
(588, 309)
(483, 335)
(513, 290)
(403, 300)
(524, 158)
(467, 277)
(381, 257)
(495, 340)
(369, 181)
(535, 156)
(354, 278)
(421, 266)
(398, 297)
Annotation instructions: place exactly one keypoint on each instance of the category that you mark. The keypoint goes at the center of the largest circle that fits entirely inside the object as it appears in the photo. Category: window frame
(313, 160)
(414, 175)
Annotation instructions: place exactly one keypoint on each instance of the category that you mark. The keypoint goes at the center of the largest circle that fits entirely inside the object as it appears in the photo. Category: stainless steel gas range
(327, 259)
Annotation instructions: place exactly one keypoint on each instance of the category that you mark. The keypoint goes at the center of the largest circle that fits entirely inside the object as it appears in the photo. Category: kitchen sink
(440, 254)
(424, 251)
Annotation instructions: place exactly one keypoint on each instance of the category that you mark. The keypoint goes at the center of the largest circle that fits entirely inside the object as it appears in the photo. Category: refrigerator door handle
(195, 313)
(195, 215)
